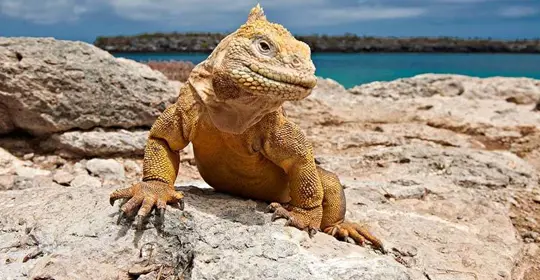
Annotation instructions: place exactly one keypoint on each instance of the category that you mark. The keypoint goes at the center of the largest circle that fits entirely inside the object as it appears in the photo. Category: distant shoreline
(348, 43)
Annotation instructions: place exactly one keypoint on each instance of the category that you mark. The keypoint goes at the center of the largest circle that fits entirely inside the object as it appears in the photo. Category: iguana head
(264, 58)
(252, 72)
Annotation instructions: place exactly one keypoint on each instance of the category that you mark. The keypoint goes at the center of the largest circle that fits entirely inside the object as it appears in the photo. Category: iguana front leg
(287, 147)
(160, 167)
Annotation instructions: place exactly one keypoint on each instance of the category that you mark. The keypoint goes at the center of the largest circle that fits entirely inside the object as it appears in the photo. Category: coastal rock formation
(445, 169)
(97, 143)
(442, 211)
(51, 86)
(515, 90)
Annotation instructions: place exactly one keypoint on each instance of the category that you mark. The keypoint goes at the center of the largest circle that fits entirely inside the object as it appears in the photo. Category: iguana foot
(308, 220)
(146, 195)
(358, 233)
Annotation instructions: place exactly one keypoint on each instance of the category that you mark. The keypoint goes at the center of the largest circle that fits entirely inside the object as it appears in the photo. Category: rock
(11, 165)
(49, 161)
(202, 241)
(85, 181)
(97, 143)
(514, 90)
(29, 172)
(536, 198)
(431, 164)
(132, 167)
(28, 156)
(106, 168)
(8, 163)
(63, 177)
(531, 234)
(52, 86)
(7, 182)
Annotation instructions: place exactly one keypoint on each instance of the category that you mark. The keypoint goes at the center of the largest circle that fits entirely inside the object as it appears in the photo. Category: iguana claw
(146, 196)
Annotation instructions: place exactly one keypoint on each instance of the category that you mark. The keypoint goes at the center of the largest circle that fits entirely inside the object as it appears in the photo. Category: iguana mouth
(270, 80)
(305, 81)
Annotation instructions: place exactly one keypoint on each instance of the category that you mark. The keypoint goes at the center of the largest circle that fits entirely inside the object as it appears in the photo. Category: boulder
(514, 90)
(106, 168)
(97, 143)
(441, 211)
(51, 86)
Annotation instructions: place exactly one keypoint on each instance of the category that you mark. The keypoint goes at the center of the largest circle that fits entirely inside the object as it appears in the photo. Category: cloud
(45, 11)
(517, 11)
(335, 16)
(180, 10)
(198, 14)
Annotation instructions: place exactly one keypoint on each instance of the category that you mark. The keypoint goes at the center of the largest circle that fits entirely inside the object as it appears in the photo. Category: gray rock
(85, 181)
(106, 168)
(7, 182)
(63, 177)
(29, 172)
(9, 163)
(514, 90)
(97, 143)
(216, 237)
(132, 167)
(53, 86)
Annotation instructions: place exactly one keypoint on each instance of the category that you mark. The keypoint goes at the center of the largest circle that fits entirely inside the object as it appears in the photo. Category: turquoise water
(355, 69)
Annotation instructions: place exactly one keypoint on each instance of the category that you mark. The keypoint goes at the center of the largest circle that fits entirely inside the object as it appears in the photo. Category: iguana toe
(346, 231)
(296, 217)
(145, 196)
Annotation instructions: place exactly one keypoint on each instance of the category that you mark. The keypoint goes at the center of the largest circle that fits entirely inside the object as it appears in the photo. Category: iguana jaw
(279, 82)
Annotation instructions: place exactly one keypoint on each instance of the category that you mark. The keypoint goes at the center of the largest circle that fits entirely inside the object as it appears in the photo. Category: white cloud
(45, 11)
(179, 10)
(196, 12)
(517, 11)
(354, 14)
(230, 13)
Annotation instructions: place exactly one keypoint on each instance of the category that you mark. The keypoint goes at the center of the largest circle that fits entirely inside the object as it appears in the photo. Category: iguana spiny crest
(252, 72)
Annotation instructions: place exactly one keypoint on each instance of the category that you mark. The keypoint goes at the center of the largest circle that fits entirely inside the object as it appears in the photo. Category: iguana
(230, 110)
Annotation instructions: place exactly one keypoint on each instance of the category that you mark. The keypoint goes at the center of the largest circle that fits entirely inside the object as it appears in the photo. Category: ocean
(354, 69)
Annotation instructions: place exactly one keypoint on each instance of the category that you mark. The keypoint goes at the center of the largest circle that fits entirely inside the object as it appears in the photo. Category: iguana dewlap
(230, 110)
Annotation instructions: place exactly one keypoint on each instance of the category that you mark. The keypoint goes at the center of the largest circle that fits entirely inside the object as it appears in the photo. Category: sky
(86, 19)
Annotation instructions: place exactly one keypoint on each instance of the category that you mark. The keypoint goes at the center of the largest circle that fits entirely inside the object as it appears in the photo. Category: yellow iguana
(230, 110)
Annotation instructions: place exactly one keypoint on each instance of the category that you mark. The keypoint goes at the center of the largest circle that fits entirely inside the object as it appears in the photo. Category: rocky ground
(444, 168)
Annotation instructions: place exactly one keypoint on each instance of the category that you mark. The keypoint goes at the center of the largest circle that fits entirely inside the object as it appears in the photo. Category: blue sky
(86, 19)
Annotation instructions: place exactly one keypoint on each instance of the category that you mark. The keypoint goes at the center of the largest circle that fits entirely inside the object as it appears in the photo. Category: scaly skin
(230, 110)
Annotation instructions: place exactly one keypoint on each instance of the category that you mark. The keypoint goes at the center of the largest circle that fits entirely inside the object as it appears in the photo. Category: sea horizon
(352, 69)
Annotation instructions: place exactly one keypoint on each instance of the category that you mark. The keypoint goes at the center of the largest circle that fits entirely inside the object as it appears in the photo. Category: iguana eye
(264, 47)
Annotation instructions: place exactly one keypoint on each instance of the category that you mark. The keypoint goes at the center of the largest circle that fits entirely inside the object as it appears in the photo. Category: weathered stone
(8, 163)
(203, 241)
(98, 143)
(514, 90)
(132, 167)
(7, 182)
(85, 181)
(422, 161)
(53, 86)
(106, 168)
(63, 177)
(29, 172)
